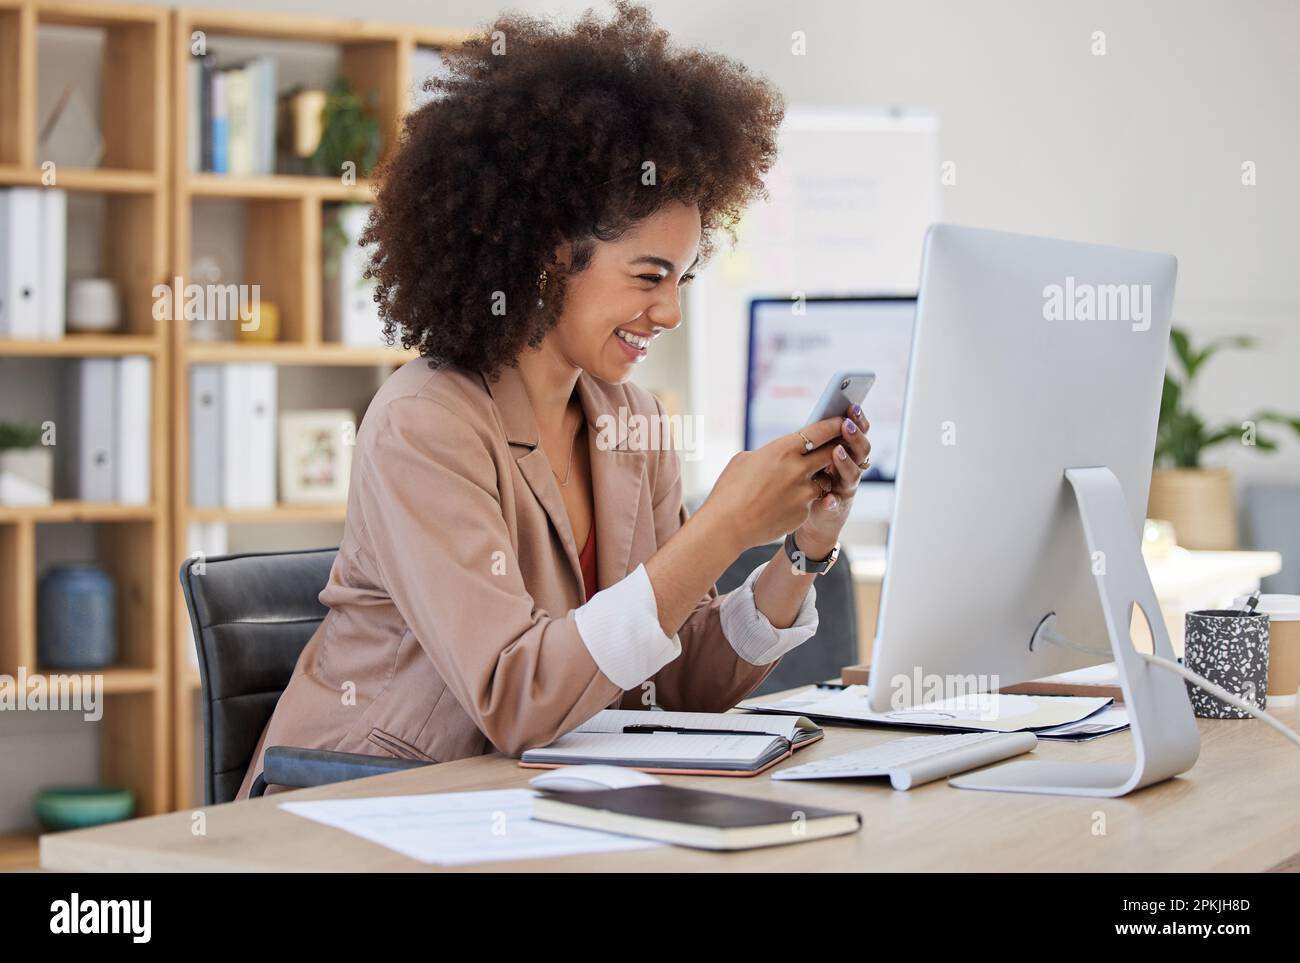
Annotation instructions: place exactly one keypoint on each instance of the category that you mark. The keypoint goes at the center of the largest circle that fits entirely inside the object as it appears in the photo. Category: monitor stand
(1164, 729)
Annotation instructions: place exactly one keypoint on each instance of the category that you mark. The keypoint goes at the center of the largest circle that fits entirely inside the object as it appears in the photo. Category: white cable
(1221, 693)
(1051, 635)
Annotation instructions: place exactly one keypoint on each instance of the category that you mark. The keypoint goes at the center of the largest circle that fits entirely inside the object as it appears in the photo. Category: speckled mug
(1228, 647)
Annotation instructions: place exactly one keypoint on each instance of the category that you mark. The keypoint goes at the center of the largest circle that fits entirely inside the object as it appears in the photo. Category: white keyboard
(915, 760)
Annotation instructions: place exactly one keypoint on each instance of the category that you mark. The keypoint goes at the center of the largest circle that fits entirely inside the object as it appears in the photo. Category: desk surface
(1235, 810)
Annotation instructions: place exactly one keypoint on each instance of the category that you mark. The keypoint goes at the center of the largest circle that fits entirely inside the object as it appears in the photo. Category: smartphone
(844, 388)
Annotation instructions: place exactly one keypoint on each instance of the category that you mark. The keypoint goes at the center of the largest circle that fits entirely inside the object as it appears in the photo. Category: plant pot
(1199, 502)
(26, 476)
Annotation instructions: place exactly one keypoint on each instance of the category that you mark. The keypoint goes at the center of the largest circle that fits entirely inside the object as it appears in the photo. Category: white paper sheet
(1110, 719)
(453, 829)
(984, 712)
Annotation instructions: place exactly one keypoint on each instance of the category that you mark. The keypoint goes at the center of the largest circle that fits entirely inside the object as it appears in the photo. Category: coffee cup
(1283, 613)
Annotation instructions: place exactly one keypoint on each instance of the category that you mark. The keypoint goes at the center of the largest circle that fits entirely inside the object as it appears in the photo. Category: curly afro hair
(541, 136)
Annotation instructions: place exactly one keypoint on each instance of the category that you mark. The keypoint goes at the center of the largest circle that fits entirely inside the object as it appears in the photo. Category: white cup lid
(1278, 608)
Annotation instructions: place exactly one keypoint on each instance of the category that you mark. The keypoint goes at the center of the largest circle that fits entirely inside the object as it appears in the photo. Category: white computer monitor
(1028, 432)
(795, 344)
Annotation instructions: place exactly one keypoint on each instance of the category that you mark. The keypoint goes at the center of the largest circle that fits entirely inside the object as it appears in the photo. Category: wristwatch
(809, 566)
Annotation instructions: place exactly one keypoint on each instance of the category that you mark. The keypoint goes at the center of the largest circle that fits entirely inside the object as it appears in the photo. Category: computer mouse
(591, 778)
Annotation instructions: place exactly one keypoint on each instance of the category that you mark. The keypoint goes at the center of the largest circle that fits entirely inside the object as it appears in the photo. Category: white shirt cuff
(620, 627)
(753, 637)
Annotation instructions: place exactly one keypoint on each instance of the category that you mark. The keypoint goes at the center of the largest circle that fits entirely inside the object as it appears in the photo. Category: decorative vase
(26, 476)
(77, 618)
(1199, 503)
(92, 306)
(264, 323)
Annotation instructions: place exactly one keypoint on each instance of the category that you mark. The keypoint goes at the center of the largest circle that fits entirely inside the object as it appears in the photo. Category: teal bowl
(76, 807)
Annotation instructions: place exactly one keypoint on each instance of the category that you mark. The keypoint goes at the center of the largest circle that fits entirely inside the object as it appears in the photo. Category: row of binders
(233, 435)
(33, 262)
(232, 116)
(106, 449)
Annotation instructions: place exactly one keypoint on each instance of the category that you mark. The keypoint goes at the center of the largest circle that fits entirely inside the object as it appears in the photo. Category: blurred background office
(1166, 125)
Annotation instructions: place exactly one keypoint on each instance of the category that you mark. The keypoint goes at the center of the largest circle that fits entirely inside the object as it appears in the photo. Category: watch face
(835, 557)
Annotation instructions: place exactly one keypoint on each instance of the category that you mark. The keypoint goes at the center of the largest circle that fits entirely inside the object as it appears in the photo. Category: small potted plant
(26, 466)
(1196, 499)
(349, 133)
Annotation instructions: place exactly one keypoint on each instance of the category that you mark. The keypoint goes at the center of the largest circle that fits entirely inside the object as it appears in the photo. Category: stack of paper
(979, 712)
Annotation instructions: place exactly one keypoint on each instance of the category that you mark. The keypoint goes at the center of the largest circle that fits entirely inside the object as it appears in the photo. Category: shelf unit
(132, 540)
(282, 253)
(149, 194)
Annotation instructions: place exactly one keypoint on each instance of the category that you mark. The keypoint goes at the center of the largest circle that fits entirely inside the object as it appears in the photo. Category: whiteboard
(851, 195)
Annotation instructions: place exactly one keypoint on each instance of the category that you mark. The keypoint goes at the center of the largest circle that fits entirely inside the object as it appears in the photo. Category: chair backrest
(1272, 522)
(836, 643)
(252, 615)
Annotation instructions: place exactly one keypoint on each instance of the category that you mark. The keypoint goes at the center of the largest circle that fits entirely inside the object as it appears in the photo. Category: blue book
(220, 125)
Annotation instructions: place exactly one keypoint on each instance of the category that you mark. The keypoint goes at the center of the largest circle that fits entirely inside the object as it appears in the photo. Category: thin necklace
(573, 444)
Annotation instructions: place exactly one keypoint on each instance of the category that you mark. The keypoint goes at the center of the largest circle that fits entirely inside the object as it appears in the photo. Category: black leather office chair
(836, 643)
(252, 616)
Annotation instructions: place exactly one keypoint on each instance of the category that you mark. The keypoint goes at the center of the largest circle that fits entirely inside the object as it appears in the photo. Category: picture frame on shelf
(316, 456)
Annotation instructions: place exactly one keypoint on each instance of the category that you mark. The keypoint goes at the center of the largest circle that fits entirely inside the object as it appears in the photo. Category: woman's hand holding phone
(782, 487)
(819, 532)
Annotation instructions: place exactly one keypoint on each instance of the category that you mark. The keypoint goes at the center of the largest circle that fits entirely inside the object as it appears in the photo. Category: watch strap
(806, 565)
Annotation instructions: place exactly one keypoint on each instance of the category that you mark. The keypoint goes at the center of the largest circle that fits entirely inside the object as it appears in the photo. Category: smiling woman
(500, 580)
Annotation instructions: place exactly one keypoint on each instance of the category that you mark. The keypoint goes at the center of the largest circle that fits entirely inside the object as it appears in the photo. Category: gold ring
(865, 465)
(807, 442)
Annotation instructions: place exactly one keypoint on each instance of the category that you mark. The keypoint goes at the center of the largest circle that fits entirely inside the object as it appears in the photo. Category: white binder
(20, 263)
(248, 429)
(133, 430)
(94, 426)
(54, 258)
(207, 436)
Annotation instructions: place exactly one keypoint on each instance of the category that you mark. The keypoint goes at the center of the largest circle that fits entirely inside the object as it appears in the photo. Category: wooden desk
(1235, 810)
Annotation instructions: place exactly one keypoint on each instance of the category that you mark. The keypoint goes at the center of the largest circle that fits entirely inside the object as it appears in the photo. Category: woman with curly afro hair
(516, 556)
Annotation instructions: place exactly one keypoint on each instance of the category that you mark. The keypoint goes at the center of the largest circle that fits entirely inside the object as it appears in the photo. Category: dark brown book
(693, 817)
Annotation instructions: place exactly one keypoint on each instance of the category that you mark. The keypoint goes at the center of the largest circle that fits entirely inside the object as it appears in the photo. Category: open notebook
(689, 743)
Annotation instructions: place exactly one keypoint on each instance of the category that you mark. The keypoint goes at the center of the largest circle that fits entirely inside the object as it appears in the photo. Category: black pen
(694, 732)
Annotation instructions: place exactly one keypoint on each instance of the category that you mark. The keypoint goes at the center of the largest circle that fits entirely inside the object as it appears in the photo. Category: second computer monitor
(795, 344)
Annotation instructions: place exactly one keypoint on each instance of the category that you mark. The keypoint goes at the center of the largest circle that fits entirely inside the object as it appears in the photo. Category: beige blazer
(451, 628)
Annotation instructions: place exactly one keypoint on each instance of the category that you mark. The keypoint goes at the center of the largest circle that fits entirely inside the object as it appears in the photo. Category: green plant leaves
(1182, 436)
(18, 436)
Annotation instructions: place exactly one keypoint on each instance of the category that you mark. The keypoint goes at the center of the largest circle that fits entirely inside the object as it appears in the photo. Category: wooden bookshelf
(283, 254)
(149, 194)
(132, 540)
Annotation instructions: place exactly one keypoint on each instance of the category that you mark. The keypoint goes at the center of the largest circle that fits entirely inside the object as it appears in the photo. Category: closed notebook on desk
(692, 817)
(686, 743)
